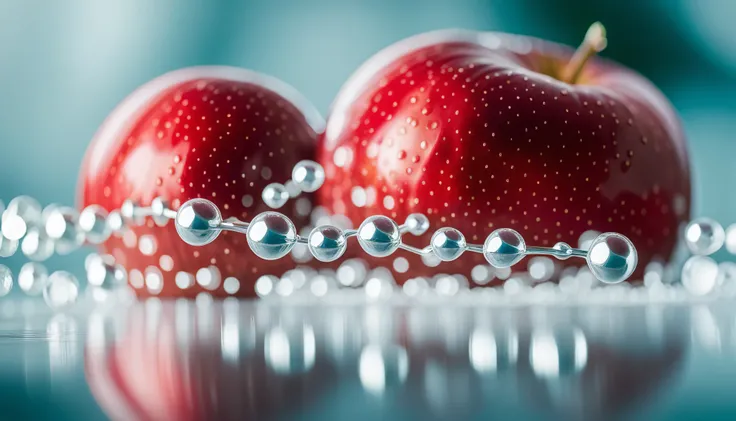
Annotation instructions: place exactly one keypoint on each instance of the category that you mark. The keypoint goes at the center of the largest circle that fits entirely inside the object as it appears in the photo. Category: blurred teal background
(64, 65)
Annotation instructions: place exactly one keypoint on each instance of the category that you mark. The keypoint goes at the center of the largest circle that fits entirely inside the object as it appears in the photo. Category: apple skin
(472, 129)
(219, 133)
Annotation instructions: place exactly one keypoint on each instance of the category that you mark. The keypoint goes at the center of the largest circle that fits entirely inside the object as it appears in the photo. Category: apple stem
(594, 42)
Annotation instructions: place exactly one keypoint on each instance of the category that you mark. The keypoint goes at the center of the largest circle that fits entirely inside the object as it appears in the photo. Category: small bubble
(159, 181)
(177, 159)
(423, 145)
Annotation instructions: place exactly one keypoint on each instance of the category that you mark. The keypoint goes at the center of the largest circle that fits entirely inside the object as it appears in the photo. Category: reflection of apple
(261, 362)
(168, 366)
(481, 130)
(219, 133)
(583, 372)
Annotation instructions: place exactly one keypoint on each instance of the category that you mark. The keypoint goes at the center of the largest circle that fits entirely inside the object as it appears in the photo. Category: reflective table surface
(260, 360)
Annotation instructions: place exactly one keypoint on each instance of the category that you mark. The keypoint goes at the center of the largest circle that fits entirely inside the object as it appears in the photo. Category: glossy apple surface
(218, 133)
(477, 131)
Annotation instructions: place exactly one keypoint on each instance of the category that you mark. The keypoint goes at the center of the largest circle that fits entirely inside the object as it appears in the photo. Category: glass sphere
(62, 226)
(700, 275)
(129, 211)
(448, 244)
(93, 223)
(106, 275)
(612, 258)
(327, 243)
(197, 221)
(158, 209)
(504, 248)
(564, 248)
(36, 245)
(25, 207)
(417, 223)
(379, 236)
(271, 235)
(33, 278)
(308, 176)
(275, 195)
(6, 280)
(704, 236)
(7, 247)
(62, 290)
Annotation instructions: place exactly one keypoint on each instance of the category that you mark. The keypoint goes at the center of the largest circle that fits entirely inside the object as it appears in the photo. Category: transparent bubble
(93, 223)
(731, 239)
(62, 226)
(565, 249)
(265, 285)
(612, 258)
(379, 236)
(196, 221)
(320, 285)
(327, 243)
(129, 210)
(586, 239)
(704, 236)
(271, 235)
(448, 244)
(105, 274)
(446, 285)
(482, 274)
(159, 206)
(209, 278)
(61, 291)
(379, 285)
(231, 285)
(541, 268)
(154, 280)
(504, 248)
(33, 278)
(7, 247)
(416, 287)
(401, 265)
(352, 272)
(417, 223)
(37, 246)
(6, 280)
(275, 195)
(699, 275)
(726, 274)
(22, 213)
(184, 280)
(308, 175)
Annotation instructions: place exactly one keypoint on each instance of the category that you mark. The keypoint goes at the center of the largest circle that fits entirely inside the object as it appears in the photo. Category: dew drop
(415, 159)
(423, 145)
(159, 181)
(171, 170)
(402, 154)
(177, 159)
(433, 125)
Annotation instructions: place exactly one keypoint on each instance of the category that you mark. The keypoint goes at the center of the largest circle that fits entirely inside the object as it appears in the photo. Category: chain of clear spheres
(39, 232)
(611, 257)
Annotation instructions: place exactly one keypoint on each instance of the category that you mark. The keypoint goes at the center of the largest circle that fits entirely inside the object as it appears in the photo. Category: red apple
(485, 130)
(214, 132)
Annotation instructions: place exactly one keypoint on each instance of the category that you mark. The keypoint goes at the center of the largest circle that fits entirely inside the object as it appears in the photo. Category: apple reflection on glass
(235, 360)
